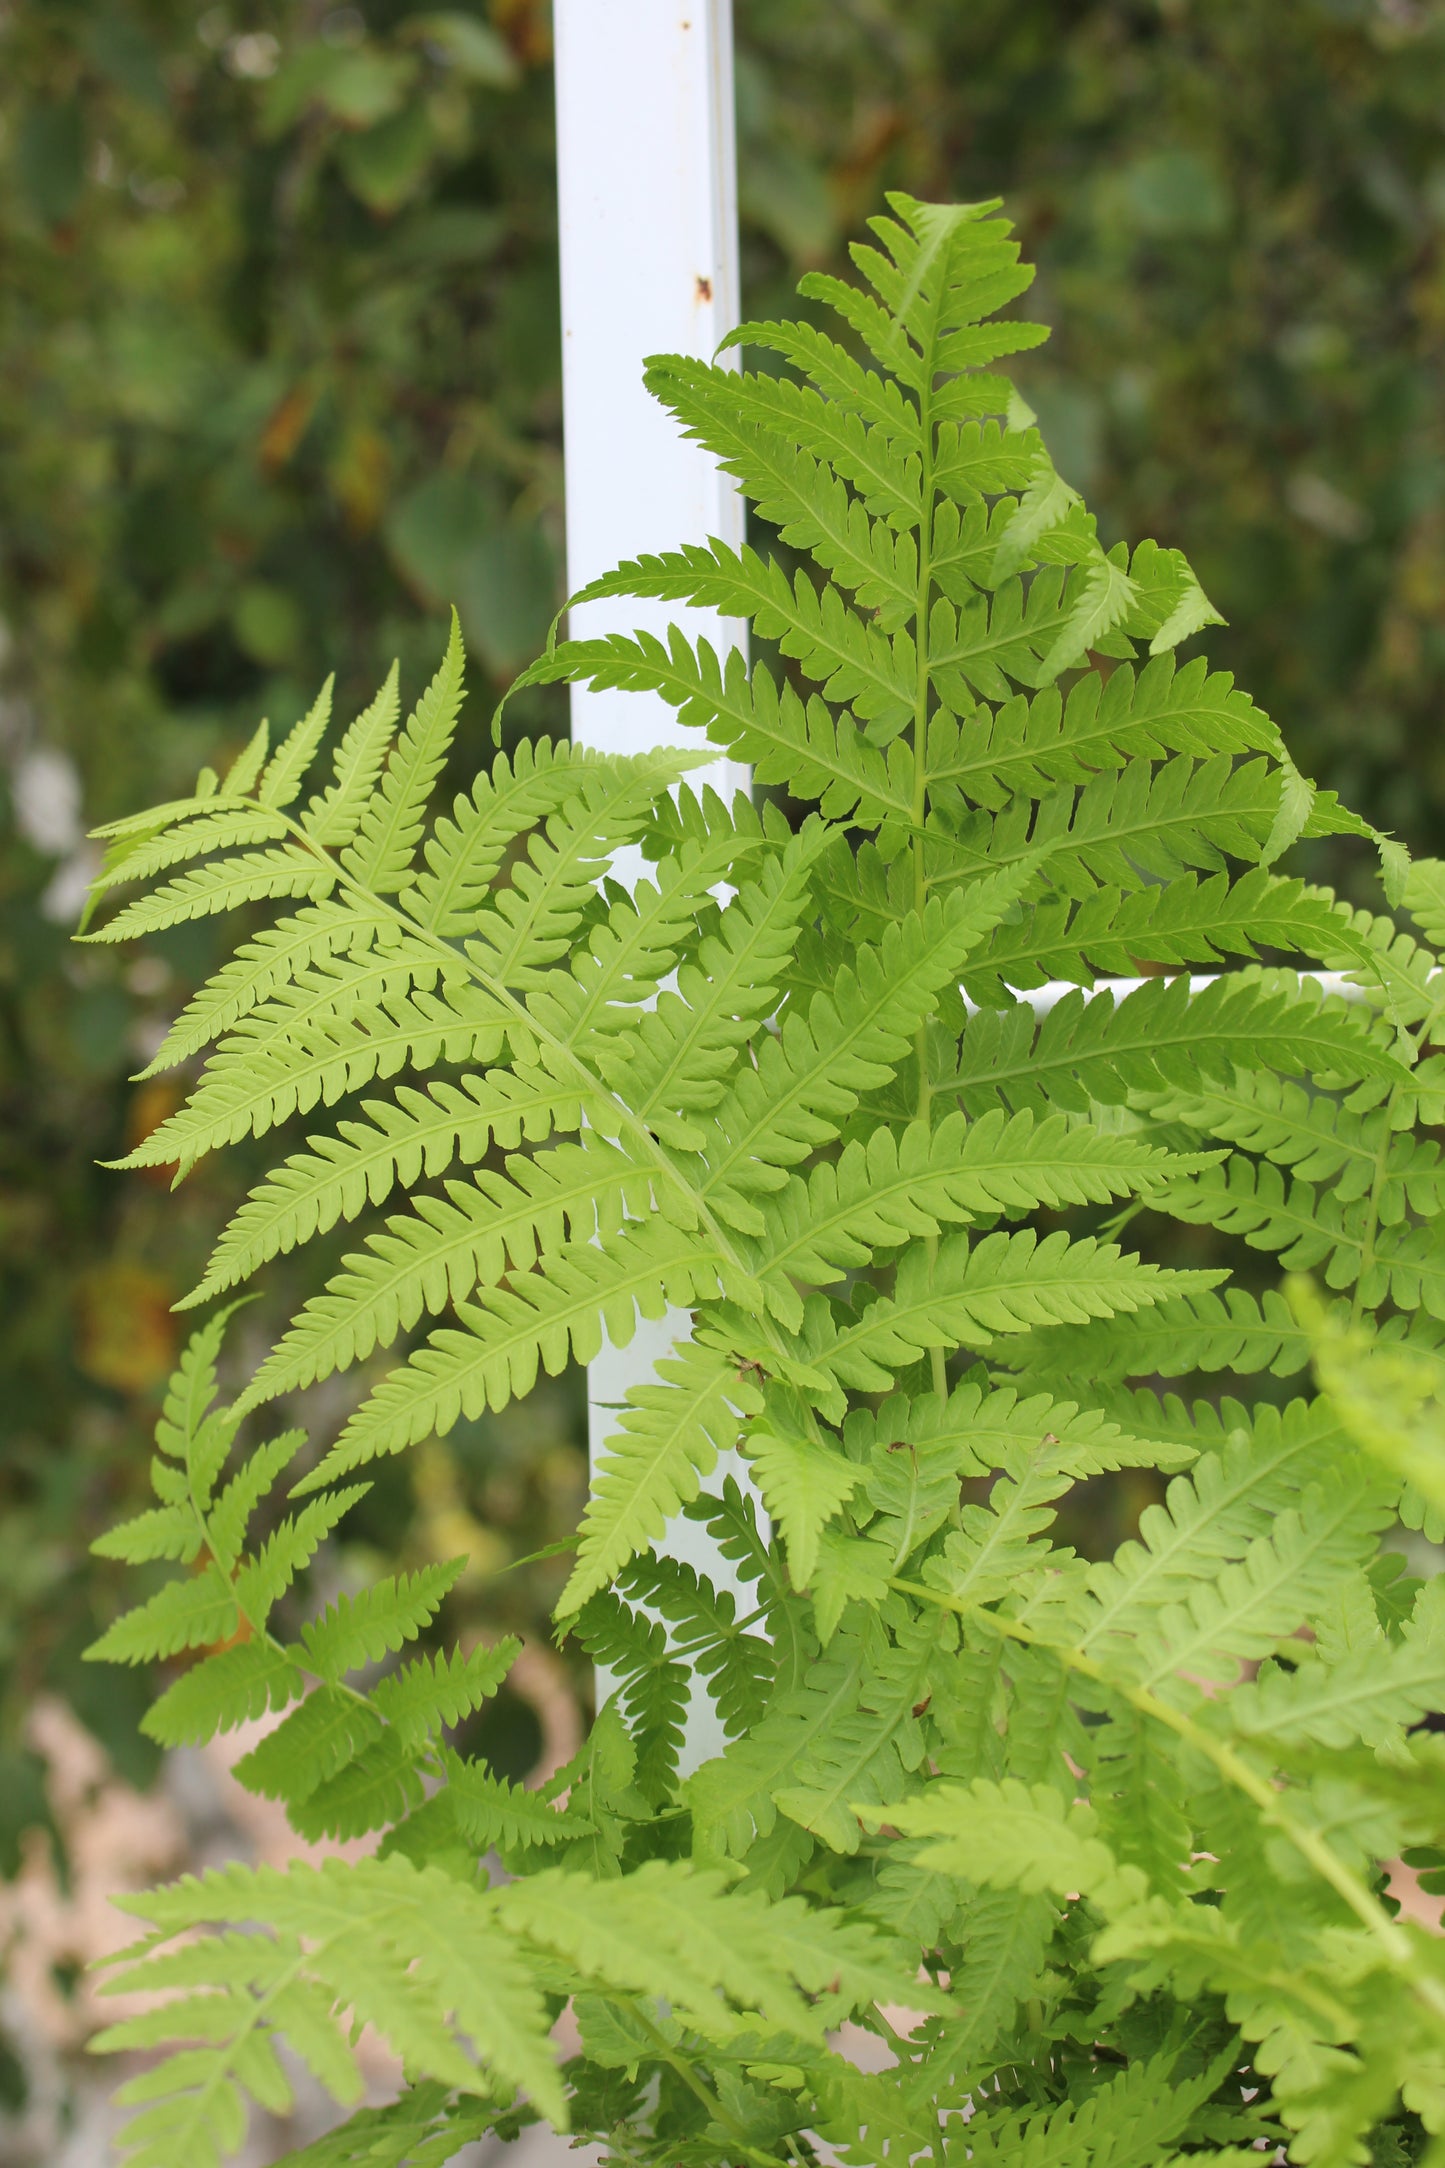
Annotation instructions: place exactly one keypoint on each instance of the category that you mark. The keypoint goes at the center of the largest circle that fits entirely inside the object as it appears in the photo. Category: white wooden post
(646, 173)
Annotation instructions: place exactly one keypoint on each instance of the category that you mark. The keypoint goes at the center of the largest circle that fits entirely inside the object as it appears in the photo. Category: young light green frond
(991, 643)
(332, 817)
(312, 999)
(978, 459)
(492, 1813)
(1373, 1693)
(1308, 1228)
(1235, 1330)
(834, 371)
(1159, 821)
(230, 1513)
(286, 769)
(626, 956)
(1002, 1547)
(381, 856)
(865, 1752)
(430, 1963)
(673, 1931)
(240, 777)
(1030, 744)
(1099, 602)
(888, 482)
(533, 922)
(668, 1437)
(818, 1725)
(928, 1443)
(854, 662)
(169, 1532)
(876, 329)
(447, 1248)
(1228, 1500)
(320, 1736)
(1181, 921)
(1317, 1136)
(221, 886)
(1249, 1609)
(1007, 1835)
(804, 1484)
(337, 1177)
(1163, 1033)
(189, 1394)
(358, 1630)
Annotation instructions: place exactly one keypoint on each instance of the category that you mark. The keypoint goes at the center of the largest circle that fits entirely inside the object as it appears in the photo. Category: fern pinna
(1094, 1847)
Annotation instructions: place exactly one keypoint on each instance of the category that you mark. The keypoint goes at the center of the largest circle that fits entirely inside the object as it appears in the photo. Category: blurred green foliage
(279, 378)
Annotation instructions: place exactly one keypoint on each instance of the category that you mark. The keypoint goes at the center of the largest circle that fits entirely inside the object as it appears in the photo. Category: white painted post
(646, 173)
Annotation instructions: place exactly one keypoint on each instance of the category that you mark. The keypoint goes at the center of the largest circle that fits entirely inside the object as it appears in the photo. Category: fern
(1097, 1846)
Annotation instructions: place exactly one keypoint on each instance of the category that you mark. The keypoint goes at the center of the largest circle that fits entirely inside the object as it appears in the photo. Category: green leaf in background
(50, 159)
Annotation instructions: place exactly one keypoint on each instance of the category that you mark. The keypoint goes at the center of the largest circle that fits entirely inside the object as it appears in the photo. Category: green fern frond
(879, 1195)
(333, 816)
(359, 1630)
(1104, 1048)
(286, 769)
(259, 968)
(420, 1133)
(222, 886)
(232, 1687)
(391, 820)
(545, 1319)
(431, 1693)
(668, 1438)
(426, 1961)
(970, 1293)
(446, 1250)
(808, 1078)
(340, 1051)
(783, 1090)
(1032, 745)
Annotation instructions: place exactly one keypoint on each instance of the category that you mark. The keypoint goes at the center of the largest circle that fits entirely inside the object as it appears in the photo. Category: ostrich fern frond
(1020, 1813)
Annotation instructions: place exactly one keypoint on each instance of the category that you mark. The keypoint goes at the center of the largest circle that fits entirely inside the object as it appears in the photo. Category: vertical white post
(647, 191)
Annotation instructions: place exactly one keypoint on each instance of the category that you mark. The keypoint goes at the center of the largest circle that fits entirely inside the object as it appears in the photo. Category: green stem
(1393, 1942)
(919, 846)
(716, 2111)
